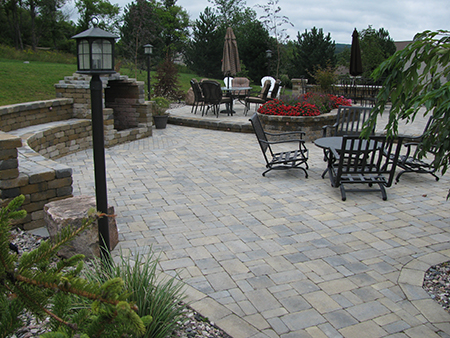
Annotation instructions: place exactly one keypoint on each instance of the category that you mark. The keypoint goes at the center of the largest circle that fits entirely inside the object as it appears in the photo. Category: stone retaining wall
(40, 180)
(33, 133)
(22, 115)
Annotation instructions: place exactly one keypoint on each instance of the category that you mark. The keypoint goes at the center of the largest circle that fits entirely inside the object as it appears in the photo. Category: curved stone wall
(311, 125)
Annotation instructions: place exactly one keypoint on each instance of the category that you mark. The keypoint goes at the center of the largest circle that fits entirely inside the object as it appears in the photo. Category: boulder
(71, 211)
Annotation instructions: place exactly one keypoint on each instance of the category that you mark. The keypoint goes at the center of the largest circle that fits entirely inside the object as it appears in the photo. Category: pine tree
(47, 286)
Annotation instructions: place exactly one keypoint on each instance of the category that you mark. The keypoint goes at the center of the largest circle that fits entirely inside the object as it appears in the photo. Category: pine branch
(24, 294)
(69, 289)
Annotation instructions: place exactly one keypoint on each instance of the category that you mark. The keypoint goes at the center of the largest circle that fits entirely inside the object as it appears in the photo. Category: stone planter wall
(311, 125)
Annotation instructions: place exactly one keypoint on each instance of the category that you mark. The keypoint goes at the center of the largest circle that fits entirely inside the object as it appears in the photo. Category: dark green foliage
(417, 77)
(313, 49)
(106, 13)
(376, 47)
(205, 50)
(47, 287)
(253, 41)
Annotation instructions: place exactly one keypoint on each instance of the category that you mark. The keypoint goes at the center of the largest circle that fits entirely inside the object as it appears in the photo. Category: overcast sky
(401, 18)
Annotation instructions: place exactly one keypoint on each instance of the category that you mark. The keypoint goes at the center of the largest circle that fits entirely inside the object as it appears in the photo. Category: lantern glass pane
(101, 54)
(97, 54)
(83, 55)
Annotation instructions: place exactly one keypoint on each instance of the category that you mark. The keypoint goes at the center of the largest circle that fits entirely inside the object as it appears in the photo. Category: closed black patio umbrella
(355, 56)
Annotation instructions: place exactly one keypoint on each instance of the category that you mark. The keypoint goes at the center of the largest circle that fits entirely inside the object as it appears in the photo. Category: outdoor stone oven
(124, 95)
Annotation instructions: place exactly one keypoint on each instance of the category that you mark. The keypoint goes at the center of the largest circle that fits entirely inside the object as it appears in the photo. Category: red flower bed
(309, 104)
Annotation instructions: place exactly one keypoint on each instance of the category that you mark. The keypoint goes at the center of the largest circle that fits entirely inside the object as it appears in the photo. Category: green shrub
(325, 78)
(160, 299)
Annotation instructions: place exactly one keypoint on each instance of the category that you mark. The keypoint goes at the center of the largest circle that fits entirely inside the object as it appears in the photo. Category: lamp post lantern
(148, 51)
(269, 56)
(95, 56)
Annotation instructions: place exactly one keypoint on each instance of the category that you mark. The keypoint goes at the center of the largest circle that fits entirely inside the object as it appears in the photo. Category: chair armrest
(286, 133)
(283, 141)
(334, 153)
(325, 128)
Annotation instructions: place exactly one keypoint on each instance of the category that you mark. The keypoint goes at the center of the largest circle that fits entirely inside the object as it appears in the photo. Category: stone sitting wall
(33, 133)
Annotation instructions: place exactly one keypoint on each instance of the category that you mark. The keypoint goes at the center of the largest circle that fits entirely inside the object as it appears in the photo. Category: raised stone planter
(71, 211)
(311, 125)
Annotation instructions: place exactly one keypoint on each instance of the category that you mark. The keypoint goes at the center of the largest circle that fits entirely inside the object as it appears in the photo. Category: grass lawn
(34, 81)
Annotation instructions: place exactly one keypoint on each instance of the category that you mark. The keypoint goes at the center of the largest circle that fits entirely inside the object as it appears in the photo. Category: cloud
(401, 18)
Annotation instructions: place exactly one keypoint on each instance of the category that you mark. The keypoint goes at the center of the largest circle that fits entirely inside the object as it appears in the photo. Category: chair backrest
(350, 120)
(228, 81)
(426, 131)
(275, 90)
(265, 90)
(196, 89)
(272, 82)
(368, 159)
(241, 82)
(212, 91)
(260, 134)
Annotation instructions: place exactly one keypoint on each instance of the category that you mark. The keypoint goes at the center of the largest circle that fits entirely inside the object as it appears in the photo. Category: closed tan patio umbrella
(230, 60)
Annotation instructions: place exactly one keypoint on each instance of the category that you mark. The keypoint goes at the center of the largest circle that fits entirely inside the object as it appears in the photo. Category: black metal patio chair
(213, 96)
(292, 159)
(258, 100)
(413, 161)
(198, 95)
(364, 161)
(349, 121)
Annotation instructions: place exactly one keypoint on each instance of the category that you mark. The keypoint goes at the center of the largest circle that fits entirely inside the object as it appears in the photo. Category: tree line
(42, 24)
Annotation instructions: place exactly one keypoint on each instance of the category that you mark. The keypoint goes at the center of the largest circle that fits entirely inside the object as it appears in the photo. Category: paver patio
(281, 255)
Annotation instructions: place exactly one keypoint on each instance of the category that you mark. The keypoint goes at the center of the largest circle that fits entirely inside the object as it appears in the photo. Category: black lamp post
(148, 51)
(269, 56)
(95, 56)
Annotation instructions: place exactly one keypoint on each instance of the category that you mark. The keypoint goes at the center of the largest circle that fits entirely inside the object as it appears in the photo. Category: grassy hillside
(34, 81)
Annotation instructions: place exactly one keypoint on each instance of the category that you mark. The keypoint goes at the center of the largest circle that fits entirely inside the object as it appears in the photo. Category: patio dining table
(232, 92)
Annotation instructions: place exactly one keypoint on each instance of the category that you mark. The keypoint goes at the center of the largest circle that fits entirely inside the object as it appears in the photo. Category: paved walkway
(281, 255)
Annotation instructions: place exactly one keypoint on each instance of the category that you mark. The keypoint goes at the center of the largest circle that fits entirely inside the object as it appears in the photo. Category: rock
(190, 97)
(71, 211)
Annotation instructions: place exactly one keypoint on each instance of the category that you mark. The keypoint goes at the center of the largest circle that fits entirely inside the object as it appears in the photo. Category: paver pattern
(281, 255)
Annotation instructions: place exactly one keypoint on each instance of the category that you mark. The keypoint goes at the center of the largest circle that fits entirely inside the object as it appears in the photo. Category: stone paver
(281, 255)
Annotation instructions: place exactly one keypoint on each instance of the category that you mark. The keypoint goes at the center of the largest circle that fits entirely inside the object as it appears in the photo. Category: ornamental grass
(309, 104)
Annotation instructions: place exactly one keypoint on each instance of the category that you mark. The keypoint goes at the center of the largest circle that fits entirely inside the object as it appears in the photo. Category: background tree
(208, 40)
(417, 77)
(103, 10)
(173, 29)
(312, 50)
(230, 13)
(253, 41)
(139, 28)
(13, 14)
(53, 27)
(376, 47)
(274, 22)
(204, 52)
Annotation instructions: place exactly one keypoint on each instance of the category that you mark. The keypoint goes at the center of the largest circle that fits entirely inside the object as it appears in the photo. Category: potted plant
(160, 117)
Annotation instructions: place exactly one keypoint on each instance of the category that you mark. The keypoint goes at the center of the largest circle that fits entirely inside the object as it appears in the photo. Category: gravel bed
(437, 284)
(193, 324)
